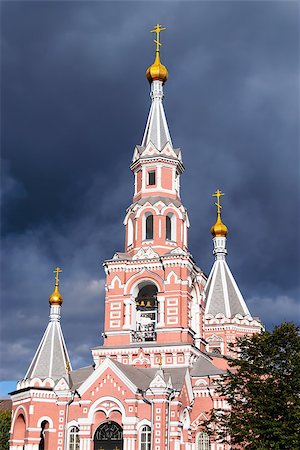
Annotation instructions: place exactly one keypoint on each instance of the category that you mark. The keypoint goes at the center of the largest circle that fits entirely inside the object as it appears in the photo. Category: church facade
(167, 326)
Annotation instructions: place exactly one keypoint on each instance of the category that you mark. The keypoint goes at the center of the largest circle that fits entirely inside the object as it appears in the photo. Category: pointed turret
(222, 293)
(225, 304)
(156, 130)
(51, 359)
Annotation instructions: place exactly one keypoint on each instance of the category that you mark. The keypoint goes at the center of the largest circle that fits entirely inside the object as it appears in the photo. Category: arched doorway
(108, 436)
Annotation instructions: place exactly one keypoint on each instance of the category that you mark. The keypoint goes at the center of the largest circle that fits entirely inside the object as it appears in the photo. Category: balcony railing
(143, 336)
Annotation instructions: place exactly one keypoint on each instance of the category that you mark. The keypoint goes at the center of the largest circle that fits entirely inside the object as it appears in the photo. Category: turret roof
(51, 358)
(222, 293)
(157, 130)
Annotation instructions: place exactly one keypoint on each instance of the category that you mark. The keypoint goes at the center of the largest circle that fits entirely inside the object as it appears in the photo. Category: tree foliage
(5, 419)
(262, 389)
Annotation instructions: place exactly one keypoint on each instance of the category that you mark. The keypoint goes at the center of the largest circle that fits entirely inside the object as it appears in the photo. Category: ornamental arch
(108, 436)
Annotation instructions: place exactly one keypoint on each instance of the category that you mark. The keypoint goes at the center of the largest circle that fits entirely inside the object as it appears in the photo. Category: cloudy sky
(74, 104)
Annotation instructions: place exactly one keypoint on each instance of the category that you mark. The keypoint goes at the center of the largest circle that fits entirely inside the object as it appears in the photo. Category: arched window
(74, 440)
(145, 438)
(168, 228)
(203, 441)
(43, 445)
(129, 232)
(149, 226)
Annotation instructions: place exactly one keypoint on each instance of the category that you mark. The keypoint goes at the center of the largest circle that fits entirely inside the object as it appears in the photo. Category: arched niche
(19, 428)
(146, 312)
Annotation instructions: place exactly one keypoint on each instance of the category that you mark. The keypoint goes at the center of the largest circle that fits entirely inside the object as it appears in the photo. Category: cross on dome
(56, 298)
(157, 71)
(57, 271)
(218, 194)
(219, 229)
(157, 29)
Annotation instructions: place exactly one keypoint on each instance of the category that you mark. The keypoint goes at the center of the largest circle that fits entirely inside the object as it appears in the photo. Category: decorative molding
(145, 254)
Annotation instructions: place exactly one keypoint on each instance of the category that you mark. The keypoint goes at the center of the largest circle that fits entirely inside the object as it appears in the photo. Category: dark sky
(74, 103)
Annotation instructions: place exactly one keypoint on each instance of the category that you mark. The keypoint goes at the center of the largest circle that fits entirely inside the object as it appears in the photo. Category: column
(127, 313)
(161, 311)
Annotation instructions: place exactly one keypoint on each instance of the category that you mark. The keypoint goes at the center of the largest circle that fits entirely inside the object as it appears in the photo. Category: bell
(142, 303)
(148, 304)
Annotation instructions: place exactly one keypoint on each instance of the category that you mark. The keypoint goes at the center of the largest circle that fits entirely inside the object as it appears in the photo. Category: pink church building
(166, 328)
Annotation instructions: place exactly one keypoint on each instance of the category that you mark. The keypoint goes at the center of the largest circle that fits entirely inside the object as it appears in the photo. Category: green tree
(5, 418)
(262, 389)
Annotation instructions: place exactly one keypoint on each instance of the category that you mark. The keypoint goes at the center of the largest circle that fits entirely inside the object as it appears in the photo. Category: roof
(204, 367)
(222, 293)
(142, 377)
(5, 405)
(51, 358)
(157, 130)
(80, 375)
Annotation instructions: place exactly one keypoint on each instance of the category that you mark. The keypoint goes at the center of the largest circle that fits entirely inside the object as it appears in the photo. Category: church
(167, 326)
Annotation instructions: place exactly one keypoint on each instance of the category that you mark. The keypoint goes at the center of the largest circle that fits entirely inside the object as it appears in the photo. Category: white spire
(51, 359)
(156, 130)
(222, 293)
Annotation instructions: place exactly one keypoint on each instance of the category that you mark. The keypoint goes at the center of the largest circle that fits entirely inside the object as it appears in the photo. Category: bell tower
(154, 289)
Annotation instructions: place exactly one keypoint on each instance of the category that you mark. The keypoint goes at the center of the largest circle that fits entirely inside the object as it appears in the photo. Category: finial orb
(219, 229)
(157, 71)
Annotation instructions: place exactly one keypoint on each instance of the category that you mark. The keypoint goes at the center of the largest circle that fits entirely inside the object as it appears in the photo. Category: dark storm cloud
(74, 104)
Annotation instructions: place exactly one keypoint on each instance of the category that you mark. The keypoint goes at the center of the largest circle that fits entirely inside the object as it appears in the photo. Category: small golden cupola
(56, 298)
(157, 71)
(219, 229)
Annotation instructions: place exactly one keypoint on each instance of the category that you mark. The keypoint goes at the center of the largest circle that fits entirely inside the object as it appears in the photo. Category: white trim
(48, 419)
(94, 407)
(225, 289)
(16, 415)
(212, 276)
(107, 363)
(238, 292)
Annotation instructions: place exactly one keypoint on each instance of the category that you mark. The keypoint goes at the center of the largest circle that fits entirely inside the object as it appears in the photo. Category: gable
(109, 378)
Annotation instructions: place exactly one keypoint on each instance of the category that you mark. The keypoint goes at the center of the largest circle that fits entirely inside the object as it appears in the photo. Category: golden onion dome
(157, 71)
(219, 229)
(56, 298)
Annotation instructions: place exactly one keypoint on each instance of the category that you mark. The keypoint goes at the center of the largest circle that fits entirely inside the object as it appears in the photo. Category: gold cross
(160, 361)
(218, 194)
(57, 271)
(157, 29)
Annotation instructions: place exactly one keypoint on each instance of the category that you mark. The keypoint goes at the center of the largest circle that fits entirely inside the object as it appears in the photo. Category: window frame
(151, 173)
(205, 443)
(150, 236)
(172, 220)
(73, 438)
(145, 432)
